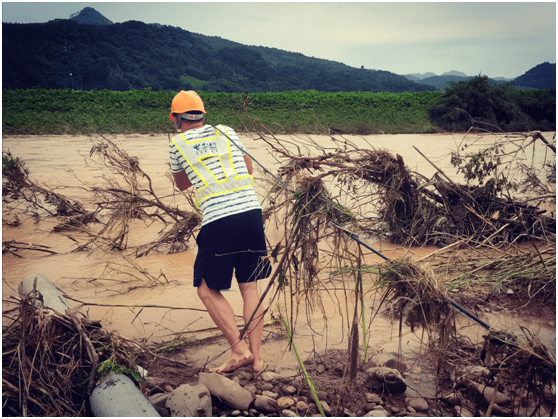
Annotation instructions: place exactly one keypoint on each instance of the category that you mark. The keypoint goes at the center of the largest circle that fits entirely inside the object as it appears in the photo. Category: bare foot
(235, 362)
(257, 366)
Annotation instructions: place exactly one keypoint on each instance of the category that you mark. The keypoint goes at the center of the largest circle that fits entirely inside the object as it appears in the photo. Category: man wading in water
(231, 235)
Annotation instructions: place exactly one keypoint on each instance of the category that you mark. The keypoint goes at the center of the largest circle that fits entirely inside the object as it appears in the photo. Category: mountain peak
(455, 73)
(90, 16)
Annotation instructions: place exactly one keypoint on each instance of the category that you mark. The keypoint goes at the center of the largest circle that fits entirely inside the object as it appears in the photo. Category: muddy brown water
(96, 277)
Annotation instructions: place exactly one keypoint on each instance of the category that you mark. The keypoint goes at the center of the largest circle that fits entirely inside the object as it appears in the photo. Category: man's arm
(248, 162)
(181, 179)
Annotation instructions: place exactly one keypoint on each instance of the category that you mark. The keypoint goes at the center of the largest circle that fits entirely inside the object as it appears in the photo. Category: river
(103, 280)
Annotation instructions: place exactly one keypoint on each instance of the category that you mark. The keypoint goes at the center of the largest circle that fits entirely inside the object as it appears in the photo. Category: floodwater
(106, 281)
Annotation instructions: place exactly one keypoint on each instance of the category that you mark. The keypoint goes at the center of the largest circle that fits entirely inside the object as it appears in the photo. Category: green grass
(41, 111)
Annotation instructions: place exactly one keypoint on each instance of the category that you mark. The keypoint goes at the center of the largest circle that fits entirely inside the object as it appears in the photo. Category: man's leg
(251, 297)
(223, 315)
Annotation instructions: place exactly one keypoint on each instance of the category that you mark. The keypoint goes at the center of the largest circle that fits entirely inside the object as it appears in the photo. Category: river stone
(269, 376)
(289, 413)
(235, 413)
(369, 406)
(264, 386)
(395, 364)
(285, 402)
(381, 379)
(190, 400)
(227, 390)
(373, 398)
(266, 404)
(300, 405)
(417, 403)
(289, 390)
(488, 392)
(322, 395)
(382, 413)
(251, 388)
(270, 394)
(325, 408)
(368, 365)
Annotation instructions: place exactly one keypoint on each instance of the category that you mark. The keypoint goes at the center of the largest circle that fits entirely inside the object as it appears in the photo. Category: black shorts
(236, 242)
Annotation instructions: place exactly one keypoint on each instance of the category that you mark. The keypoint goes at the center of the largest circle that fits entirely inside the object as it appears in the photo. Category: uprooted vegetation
(322, 195)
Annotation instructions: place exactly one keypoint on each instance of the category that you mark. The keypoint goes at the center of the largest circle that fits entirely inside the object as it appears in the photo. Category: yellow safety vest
(196, 151)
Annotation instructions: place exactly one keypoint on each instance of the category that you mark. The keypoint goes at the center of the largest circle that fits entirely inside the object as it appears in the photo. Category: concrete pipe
(118, 396)
(48, 295)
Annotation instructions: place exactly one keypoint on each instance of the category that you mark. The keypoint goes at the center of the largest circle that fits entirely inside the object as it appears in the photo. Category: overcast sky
(500, 39)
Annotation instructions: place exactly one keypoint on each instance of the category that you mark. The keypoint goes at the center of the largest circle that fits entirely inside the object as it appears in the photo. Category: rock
(235, 413)
(373, 398)
(369, 406)
(168, 388)
(381, 379)
(368, 365)
(325, 407)
(411, 409)
(415, 378)
(382, 413)
(417, 403)
(190, 400)
(487, 392)
(322, 395)
(270, 394)
(300, 405)
(348, 413)
(266, 404)
(393, 363)
(394, 409)
(227, 390)
(285, 402)
(159, 400)
(251, 388)
(289, 390)
(264, 386)
(269, 376)
(289, 413)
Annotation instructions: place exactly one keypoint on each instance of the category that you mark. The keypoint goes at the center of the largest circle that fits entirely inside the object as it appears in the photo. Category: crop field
(42, 111)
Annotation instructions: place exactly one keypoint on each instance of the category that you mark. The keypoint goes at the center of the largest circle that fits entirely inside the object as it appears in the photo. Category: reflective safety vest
(195, 152)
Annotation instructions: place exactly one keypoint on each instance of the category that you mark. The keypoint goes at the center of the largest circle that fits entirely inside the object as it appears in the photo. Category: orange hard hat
(186, 101)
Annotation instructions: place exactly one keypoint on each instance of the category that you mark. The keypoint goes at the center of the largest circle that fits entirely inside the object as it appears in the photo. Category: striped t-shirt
(219, 206)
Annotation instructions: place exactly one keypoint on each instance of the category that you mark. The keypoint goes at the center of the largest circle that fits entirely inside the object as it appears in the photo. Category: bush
(477, 103)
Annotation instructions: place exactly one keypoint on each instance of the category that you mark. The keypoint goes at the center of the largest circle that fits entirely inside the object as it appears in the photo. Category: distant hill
(135, 55)
(542, 77)
(443, 82)
(418, 76)
(90, 16)
(455, 73)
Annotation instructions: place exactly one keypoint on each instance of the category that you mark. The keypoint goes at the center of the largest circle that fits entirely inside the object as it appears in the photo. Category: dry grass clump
(414, 291)
(51, 361)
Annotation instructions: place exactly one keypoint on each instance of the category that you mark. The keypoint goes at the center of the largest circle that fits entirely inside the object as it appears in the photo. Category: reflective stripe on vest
(196, 151)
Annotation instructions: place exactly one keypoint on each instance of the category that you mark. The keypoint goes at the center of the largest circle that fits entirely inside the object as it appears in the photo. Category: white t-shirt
(216, 207)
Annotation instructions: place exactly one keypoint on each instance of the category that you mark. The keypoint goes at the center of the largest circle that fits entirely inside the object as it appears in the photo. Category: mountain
(455, 73)
(418, 76)
(542, 77)
(134, 55)
(90, 16)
